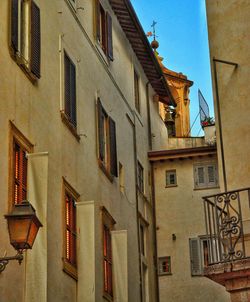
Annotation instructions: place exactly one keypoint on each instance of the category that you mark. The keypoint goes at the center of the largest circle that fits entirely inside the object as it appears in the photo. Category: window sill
(171, 186)
(102, 53)
(105, 171)
(70, 126)
(21, 63)
(70, 270)
(165, 274)
(206, 188)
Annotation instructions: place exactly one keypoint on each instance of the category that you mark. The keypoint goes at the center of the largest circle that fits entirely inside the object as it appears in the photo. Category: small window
(136, 92)
(25, 37)
(205, 175)
(140, 177)
(70, 232)
(164, 265)
(104, 30)
(69, 90)
(107, 142)
(171, 180)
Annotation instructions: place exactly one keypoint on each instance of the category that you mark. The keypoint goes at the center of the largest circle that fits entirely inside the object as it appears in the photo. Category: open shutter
(100, 130)
(73, 93)
(66, 85)
(113, 153)
(195, 257)
(97, 17)
(14, 25)
(35, 40)
(109, 37)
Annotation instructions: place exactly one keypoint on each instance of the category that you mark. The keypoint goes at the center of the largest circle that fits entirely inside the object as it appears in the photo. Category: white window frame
(206, 183)
(161, 271)
(170, 173)
(198, 259)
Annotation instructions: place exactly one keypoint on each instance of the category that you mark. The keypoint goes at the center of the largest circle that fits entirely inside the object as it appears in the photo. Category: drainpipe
(150, 144)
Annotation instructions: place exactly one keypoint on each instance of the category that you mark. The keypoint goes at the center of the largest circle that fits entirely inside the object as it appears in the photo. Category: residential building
(184, 170)
(78, 87)
(228, 31)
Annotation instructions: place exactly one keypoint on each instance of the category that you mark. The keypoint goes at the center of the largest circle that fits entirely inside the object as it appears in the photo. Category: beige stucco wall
(179, 211)
(228, 29)
(35, 110)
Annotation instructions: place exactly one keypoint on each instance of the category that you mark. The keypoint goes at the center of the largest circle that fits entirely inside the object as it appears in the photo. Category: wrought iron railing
(227, 218)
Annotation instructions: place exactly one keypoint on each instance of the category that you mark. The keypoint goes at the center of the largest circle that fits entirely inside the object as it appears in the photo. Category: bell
(168, 117)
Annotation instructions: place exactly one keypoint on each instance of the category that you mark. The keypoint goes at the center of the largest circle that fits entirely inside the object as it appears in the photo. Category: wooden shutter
(20, 174)
(195, 257)
(211, 175)
(14, 25)
(113, 153)
(66, 85)
(35, 40)
(100, 130)
(73, 93)
(97, 17)
(109, 37)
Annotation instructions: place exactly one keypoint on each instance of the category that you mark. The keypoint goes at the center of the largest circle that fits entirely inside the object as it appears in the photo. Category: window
(107, 142)
(18, 166)
(140, 177)
(70, 236)
(108, 224)
(171, 180)
(104, 30)
(199, 253)
(136, 92)
(25, 35)
(164, 265)
(70, 90)
(205, 175)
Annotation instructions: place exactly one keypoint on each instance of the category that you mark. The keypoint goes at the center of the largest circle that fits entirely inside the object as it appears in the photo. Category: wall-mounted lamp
(23, 226)
(173, 237)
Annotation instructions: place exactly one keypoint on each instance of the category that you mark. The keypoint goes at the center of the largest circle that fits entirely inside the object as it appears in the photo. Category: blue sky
(182, 33)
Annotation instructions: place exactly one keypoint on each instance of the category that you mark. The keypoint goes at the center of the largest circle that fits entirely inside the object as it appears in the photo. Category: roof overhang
(181, 153)
(131, 26)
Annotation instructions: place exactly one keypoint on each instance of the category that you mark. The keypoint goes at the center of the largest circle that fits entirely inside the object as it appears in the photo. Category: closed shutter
(100, 130)
(109, 37)
(195, 257)
(113, 152)
(97, 20)
(73, 93)
(212, 175)
(14, 25)
(35, 40)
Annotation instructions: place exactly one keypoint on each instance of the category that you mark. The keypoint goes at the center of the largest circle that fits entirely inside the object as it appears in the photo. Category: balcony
(227, 219)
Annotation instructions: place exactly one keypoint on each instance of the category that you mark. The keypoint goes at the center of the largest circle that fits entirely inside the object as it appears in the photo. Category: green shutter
(109, 37)
(100, 130)
(14, 25)
(113, 152)
(35, 40)
(97, 17)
